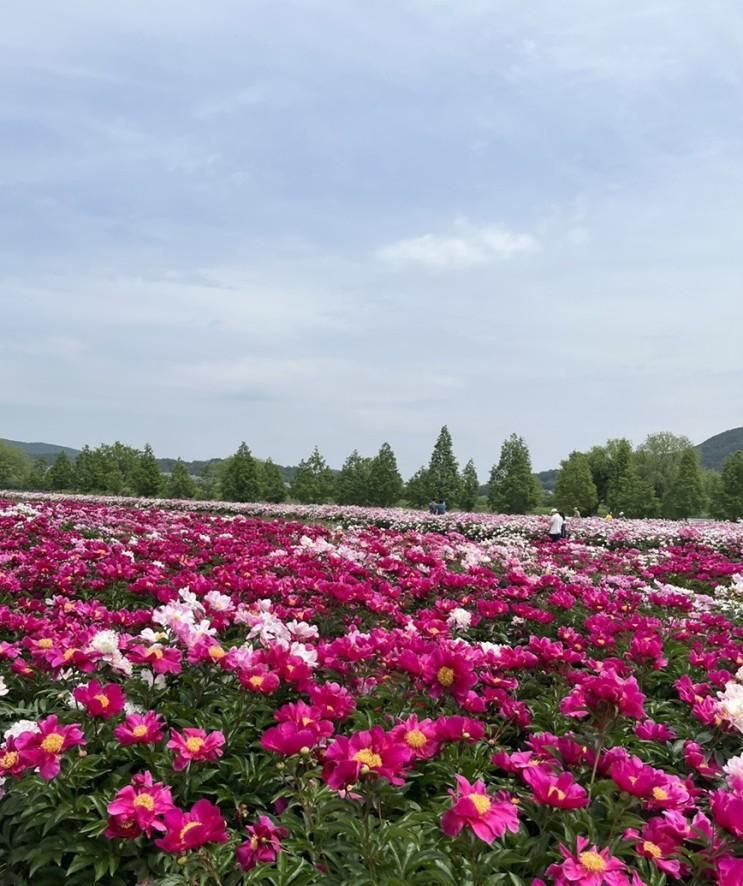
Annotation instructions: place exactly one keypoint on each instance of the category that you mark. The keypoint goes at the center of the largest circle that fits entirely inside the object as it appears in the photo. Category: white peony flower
(3, 687)
(19, 727)
(730, 704)
(105, 642)
(459, 618)
(734, 767)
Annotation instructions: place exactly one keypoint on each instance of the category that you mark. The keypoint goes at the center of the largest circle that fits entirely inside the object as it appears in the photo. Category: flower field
(340, 696)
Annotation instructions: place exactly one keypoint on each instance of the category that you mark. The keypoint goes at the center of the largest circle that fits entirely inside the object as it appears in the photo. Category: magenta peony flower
(372, 752)
(101, 701)
(194, 744)
(43, 749)
(549, 789)
(264, 844)
(588, 867)
(138, 808)
(489, 817)
(189, 830)
(144, 728)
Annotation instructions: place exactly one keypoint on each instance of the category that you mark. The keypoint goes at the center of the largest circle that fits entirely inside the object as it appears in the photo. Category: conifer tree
(313, 482)
(147, 477)
(686, 496)
(513, 487)
(180, 482)
(574, 487)
(620, 470)
(352, 485)
(240, 477)
(85, 470)
(729, 502)
(385, 482)
(443, 470)
(470, 487)
(418, 489)
(272, 484)
(61, 474)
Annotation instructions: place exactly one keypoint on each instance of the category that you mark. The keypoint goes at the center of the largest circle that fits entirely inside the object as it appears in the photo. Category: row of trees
(662, 477)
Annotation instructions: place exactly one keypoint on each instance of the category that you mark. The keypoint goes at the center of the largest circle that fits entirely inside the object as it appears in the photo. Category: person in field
(556, 524)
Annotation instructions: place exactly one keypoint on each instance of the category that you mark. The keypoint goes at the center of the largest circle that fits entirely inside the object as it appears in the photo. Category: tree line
(661, 478)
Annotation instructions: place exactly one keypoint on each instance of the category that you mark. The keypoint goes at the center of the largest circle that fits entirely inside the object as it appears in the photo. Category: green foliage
(385, 482)
(575, 487)
(180, 483)
(728, 504)
(417, 489)
(240, 478)
(272, 486)
(469, 487)
(313, 482)
(513, 487)
(658, 459)
(443, 470)
(352, 485)
(36, 477)
(61, 474)
(14, 466)
(686, 496)
(147, 477)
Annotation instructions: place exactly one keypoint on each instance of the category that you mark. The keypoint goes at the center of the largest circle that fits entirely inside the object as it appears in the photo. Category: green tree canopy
(385, 482)
(240, 476)
(352, 485)
(513, 487)
(729, 502)
(418, 489)
(313, 482)
(469, 486)
(61, 475)
(443, 470)
(272, 484)
(658, 459)
(574, 487)
(14, 466)
(147, 477)
(686, 496)
(180, 483)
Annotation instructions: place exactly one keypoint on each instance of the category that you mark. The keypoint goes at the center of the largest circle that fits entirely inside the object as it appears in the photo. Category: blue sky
(331, 222)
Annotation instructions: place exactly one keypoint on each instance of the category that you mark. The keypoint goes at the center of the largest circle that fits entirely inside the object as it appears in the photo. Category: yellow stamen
(445, 676)
(53, 743)
(592, 861)
(102, 700)
(194, 744)
(368, 758)
(652, 849)
(8, 759)
(188, 827)
(660, 794)
(140, 731)
(145, 801)
(416, 739)
(480, 802)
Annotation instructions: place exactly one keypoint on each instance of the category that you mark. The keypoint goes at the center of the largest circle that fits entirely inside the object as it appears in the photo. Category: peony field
(199, 693)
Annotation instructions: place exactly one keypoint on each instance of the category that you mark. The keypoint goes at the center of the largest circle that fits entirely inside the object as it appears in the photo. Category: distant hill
(713, 452)
(47, 451)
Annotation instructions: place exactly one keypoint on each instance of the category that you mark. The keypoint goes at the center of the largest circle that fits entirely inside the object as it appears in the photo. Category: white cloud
(469, 247)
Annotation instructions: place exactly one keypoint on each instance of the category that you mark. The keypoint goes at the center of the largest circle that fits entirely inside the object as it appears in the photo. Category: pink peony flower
(138, 808)
(588, 866)
(549, 789)
(371, 752)
(489, 817)
(263, 845)
(189, 830)
(194, 744)
(101, 701)
(44, 748)
(146, 728)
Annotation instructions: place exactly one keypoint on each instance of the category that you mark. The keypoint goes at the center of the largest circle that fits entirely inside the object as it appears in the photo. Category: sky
(339, 223)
